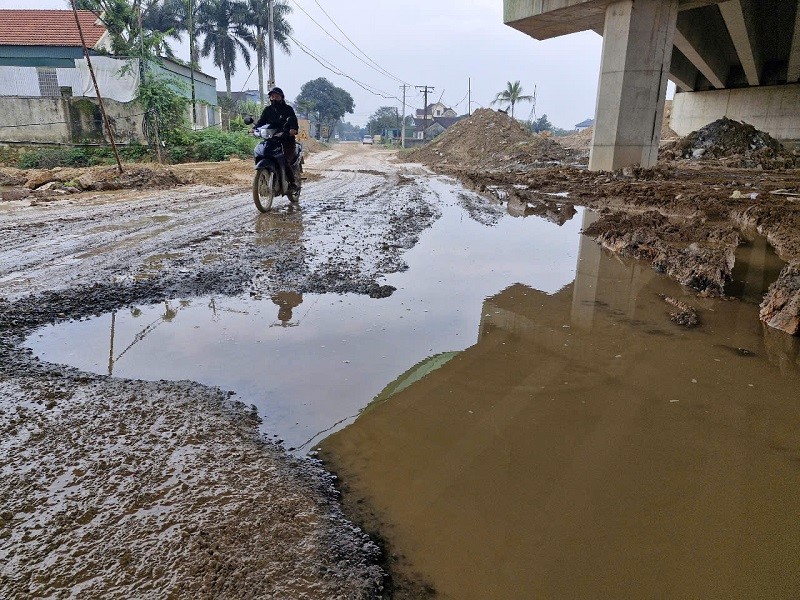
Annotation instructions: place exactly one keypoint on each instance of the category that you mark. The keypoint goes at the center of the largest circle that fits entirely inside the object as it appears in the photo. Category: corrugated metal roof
(48, 28)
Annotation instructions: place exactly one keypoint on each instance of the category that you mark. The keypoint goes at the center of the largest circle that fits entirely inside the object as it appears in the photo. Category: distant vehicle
(367, 139)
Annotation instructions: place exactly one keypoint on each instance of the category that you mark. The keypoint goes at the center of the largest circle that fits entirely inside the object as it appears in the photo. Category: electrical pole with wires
(426, 89)
(403, 122)
(191, 61)
(271, 29)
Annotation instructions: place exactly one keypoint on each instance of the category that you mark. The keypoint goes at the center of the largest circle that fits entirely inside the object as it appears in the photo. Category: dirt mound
(733, 143)
(666, 131)
(580, 140)
(311, 145)
(494, 141)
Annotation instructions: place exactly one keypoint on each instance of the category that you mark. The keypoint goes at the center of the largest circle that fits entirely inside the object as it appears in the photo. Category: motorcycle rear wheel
(264, 189)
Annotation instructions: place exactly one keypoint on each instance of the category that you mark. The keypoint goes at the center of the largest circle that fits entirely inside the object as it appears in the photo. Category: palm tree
(511, 95)
(166, 19)
(259, 11)
(223, 25)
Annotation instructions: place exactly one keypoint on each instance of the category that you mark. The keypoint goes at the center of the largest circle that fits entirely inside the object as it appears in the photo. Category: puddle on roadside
(520, 418)
(586, 447)
(312, 363)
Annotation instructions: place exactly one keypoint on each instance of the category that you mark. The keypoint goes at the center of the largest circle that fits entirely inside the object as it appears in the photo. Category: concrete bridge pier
(637, 52)
(728, 58)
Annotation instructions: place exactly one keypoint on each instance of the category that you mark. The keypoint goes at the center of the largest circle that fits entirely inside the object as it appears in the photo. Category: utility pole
(426, 89)
(191, 62)
(271, 82)
(403, 122)
(469, 95)
(96, 88)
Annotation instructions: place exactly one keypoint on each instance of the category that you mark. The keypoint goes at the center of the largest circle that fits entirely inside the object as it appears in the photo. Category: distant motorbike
(270, 179)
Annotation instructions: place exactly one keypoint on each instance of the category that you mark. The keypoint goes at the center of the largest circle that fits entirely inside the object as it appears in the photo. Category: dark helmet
(276, 90)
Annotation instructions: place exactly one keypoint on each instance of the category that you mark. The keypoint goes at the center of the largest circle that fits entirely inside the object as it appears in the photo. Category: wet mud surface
(154, 489)
(75, 442)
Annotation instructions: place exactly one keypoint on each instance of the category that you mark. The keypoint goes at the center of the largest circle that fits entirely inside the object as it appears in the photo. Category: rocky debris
(704, 265)
(733, 143)
(685, 316)
(491, 140)
(781, 306)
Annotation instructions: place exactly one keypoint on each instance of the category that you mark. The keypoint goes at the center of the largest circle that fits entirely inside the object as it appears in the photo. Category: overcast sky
(443, 44)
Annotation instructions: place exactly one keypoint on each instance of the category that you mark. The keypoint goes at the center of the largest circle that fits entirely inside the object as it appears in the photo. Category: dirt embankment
(492, 140)
(42, 185)
(711, 191)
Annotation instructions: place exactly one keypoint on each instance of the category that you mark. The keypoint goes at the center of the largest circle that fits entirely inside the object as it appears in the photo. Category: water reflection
(286, 302)
(167, 316)
(586, 447)
(555, 212)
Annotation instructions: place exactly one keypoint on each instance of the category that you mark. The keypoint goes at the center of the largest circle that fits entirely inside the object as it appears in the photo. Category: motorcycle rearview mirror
(248, 120)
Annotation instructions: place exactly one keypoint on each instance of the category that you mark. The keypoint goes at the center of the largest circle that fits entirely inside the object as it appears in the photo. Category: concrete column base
(637, 50)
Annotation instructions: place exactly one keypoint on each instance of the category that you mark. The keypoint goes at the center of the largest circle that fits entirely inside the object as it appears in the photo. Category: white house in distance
(437, 109)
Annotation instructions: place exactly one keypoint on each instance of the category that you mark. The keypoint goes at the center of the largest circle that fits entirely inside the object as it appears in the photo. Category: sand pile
(734, 144)
(491, 140)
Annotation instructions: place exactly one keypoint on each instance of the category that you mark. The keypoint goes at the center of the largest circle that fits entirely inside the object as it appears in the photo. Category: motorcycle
(271, 179)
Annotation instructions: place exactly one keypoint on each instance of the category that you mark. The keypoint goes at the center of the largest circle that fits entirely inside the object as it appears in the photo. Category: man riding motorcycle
(280, 115)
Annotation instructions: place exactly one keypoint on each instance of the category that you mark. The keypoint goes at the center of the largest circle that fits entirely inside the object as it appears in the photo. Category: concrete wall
(774, 109)
(68, 121)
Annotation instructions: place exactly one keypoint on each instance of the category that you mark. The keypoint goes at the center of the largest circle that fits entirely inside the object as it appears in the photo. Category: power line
(378, 69)
(356, 46)
(334, 69)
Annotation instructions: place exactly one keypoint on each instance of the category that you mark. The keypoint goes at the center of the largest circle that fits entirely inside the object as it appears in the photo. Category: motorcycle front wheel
(264, 189)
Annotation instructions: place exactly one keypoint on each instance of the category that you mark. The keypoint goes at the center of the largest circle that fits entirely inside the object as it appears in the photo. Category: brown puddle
(587, 447)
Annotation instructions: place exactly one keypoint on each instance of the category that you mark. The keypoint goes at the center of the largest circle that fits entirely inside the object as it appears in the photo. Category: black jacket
(281, 116)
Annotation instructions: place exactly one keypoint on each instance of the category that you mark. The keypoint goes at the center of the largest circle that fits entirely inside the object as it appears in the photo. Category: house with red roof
(47, 94)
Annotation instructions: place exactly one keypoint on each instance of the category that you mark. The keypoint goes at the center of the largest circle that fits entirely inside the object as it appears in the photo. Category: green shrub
(177, 154)
(211, 144)
(29, 160)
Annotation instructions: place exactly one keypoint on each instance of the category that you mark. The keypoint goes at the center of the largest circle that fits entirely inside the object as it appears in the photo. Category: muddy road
(120, 488)
(510, 409)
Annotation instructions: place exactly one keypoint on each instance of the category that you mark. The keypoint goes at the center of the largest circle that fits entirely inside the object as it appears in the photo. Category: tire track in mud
(108, 239)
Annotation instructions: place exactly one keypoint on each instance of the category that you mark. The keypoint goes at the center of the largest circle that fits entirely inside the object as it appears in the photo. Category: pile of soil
(580, 140)
(50, 184)
(734, 144)
(667, 133)
(492, 141)
(311, 146)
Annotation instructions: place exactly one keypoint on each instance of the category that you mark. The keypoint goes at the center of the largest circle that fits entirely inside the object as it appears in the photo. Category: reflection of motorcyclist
(286, 301)
(280, 115)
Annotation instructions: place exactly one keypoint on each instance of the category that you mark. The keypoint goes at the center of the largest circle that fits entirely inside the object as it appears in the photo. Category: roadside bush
(212, 144)
(49, 158)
